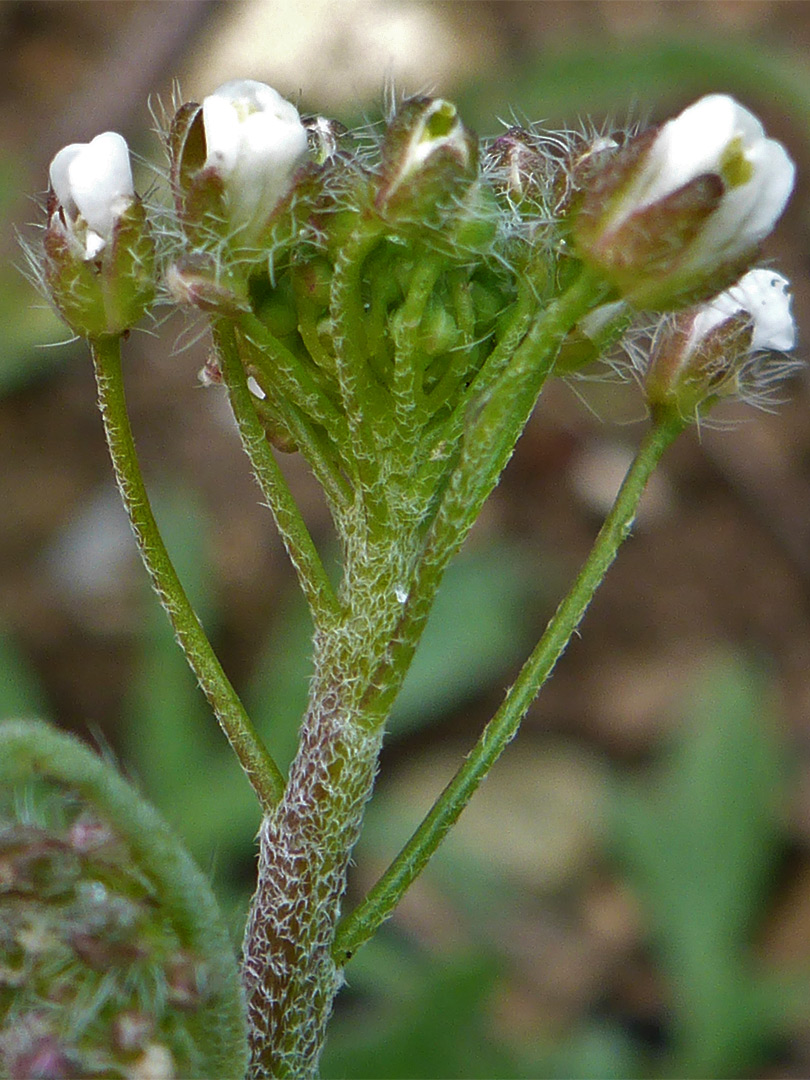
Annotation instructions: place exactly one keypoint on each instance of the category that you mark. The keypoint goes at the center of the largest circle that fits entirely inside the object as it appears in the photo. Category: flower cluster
(269, 204)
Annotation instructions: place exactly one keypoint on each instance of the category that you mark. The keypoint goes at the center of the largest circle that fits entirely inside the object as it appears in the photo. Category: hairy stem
(304, 848)
(261, 770)
(302, 551)
(361, 924)
(290, 972)
(493, 426)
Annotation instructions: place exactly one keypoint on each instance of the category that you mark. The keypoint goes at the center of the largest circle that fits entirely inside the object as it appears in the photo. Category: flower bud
(427, 152)
(234, 158)
(719, 348)
(678, 213)
(99, 257)
(195, 280)
(516, 167)
(93, 185)
(323, 136)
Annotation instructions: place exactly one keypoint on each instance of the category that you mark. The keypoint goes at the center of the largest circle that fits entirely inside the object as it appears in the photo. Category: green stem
(300, 547)
(493, 426)
(360, 392)
(408, 371)
(311, 443)
(261, 770)
(287, 371)
(361, 924)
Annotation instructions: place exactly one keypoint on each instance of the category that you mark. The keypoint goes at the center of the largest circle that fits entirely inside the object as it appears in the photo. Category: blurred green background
(629, 895)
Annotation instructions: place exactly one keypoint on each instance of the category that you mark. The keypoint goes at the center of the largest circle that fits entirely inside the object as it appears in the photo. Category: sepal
(428, 157)
(110, 293)
(678, 213)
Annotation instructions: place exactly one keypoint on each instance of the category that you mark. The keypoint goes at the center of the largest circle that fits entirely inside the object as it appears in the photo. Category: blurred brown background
(718, 567)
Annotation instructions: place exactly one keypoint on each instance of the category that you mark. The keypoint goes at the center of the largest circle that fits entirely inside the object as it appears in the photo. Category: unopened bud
(323, 136)
(719, 349)
(516, 167)
(426, 154)
(99, 256)
(679, 212)
(234, 159)
(198, 282)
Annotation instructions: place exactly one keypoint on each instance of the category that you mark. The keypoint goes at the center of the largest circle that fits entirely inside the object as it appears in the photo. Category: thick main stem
(305, 843)
(261, 770)
(289, 975)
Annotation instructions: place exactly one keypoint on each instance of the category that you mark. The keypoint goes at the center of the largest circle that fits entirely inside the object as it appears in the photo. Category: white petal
(250, 96)
(60, 176)
(710, 315)
(764, 296)
(689, 145)
(774, 176)
(255, 140)
(221, 126)
(101, 181)
(93, 244)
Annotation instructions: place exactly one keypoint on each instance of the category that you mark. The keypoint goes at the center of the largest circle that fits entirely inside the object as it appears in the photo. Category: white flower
(93, 185)
(725, 348)
(254, 141)
(761, 294)
(716, 136)
(677, 214)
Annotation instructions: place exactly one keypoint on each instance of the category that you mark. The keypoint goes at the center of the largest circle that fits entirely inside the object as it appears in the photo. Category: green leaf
(440, 1031)
(701, 841)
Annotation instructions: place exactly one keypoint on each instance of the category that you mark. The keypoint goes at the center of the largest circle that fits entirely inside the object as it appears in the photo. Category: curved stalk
(361, 924)
(300, 547)
(262, 772)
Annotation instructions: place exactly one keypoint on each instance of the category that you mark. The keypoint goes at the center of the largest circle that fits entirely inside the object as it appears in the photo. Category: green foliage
(701, 840)
(437, 1027)
(29, 323)
(478, 627)
(588, 79)
(20, 693)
